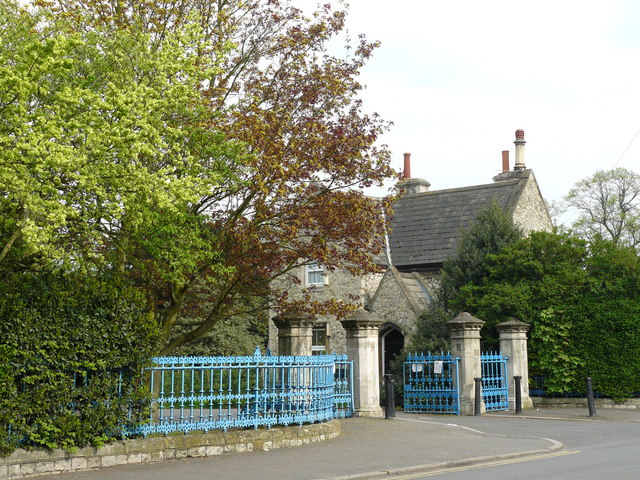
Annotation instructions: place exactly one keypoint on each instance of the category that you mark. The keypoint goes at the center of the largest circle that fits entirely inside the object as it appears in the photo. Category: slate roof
(426, 226)
(415, 291)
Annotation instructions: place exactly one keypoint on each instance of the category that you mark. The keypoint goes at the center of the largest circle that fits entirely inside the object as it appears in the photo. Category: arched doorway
(391, 343)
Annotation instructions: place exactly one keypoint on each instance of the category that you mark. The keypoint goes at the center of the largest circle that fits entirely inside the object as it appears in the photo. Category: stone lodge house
(424, 231)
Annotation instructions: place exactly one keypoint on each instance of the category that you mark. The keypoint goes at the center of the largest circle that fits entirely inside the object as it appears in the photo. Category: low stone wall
(22, 463)
(561, 402)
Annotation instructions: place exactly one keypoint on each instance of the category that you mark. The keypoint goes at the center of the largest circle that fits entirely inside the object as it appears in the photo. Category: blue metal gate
(343, 393)
(431, 384)
(495, 384)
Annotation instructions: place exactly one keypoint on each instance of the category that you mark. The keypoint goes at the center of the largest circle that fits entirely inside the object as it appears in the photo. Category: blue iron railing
(219, 393)
(431, 384)
(495, 384)
(343, 393)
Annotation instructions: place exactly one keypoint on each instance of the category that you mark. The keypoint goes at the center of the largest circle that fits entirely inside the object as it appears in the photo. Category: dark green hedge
(582, 301)
(72, 351)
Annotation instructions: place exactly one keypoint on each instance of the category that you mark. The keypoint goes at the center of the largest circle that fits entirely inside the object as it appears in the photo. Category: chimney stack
(505, 161)
(520, 141)
(407, 166)
(410, 185)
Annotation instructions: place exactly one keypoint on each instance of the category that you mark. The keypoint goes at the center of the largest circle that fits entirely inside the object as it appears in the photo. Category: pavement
(370, 448)
(413, 443)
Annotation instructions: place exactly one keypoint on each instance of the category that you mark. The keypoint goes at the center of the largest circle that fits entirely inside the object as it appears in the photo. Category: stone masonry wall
(531, 212)
(392, 305)
(340, 285)
(23, 464)
(567, 402)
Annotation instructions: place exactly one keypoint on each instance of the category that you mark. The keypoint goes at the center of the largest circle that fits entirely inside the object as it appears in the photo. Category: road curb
(555, 446)
(562, 419)
(604, 415)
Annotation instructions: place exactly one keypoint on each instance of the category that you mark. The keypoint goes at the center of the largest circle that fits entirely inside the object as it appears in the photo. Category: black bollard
(478, 396)
(518, 389)
(389, 397)
(590, 401)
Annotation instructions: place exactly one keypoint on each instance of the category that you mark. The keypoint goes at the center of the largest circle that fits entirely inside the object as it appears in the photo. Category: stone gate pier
(513, 345)
(465, 344)
(362, 347)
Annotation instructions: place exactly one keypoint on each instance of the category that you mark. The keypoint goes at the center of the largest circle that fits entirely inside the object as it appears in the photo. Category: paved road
(411, 445)
(593, 449)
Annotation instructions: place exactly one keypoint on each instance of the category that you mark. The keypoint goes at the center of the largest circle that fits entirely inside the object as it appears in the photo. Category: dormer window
(315, 275)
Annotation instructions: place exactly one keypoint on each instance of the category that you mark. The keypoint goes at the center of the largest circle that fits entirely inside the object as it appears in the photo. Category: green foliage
(97, 134)
(230, 336)
(554, 353)
(492, 230)
(607, 204)
(106, 151)
(581, 301)
(543, 267)
(65, 342)
(187, 146)
(431, 333)
(609, 333)
(537, 281)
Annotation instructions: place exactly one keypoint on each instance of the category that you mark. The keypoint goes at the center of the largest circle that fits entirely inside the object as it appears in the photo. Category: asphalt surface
(375, 448)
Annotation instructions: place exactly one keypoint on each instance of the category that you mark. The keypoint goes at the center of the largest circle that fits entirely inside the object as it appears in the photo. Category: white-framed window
(320, 339)
(315, 275)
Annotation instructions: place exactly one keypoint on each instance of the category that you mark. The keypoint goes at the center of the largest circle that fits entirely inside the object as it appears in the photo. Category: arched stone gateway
(391, 343)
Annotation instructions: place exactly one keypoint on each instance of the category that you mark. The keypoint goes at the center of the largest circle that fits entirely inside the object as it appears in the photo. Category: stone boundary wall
(562, 402)
(22, 463)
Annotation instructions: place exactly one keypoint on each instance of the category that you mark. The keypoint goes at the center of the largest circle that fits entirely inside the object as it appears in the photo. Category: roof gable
(396, 287)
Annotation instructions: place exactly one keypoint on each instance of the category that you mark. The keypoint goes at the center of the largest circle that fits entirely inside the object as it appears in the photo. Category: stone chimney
(520, 141)
(410, 185)
(519, 168)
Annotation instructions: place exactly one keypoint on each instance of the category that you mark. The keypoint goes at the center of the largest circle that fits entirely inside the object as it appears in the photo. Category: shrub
(73, 351)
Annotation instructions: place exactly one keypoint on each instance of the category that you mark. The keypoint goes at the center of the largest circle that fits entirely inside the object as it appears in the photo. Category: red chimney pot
(519, 133)
(505, 161)
(407, 166)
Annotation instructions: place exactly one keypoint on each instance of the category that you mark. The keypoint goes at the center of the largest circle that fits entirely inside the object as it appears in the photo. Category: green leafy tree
(581, 301)
(607, 206)
(230, 146)
(536, 280)
(492, 230)
(97, 138)
(431, 333)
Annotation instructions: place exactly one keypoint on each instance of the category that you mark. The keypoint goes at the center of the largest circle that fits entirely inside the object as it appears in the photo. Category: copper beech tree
(291, 190)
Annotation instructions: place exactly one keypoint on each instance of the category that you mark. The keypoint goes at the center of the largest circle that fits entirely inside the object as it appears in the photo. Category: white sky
(458, 77)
